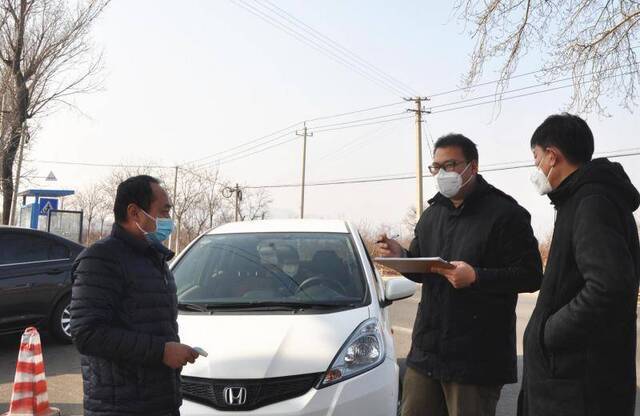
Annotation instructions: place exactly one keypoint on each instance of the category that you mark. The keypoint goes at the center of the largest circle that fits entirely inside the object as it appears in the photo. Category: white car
(293, 318)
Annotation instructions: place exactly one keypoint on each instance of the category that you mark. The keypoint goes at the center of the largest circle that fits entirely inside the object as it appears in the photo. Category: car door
(33, 270)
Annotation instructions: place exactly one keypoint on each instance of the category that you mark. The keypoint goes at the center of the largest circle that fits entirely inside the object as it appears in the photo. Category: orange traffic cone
(29, 397)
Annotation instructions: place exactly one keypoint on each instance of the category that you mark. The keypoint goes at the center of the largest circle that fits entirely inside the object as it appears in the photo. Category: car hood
(256, 346)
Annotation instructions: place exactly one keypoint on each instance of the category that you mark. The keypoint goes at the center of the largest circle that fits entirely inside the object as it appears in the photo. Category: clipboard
(414, 265)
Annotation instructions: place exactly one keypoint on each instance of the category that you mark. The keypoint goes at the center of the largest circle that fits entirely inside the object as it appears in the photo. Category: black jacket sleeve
(605, 263)
(96, 329)
(520, 257)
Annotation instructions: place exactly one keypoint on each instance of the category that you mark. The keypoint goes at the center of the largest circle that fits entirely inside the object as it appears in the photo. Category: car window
(58, 251)
(287, 267)
(22, 248)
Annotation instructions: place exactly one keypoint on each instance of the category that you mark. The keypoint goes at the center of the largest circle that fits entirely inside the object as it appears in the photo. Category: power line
(358, 120)
(330, 42)
(482, 84)
(355, 124)
(431, 108)
(529, 87)
(363, 124)
(288, 128)
(327, 52)
(242, 154)
(104, 165)
(239, 155)
(406, 176)
(343, 150)
(516, 96)
(356, 111)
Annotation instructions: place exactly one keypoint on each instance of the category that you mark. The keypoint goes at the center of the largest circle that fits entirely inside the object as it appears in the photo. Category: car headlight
(363, 351)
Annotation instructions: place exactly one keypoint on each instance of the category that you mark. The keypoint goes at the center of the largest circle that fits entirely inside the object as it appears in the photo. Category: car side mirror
(398, 288)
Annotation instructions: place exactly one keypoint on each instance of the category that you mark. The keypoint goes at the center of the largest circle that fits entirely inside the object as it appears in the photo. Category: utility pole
(173, 236)
(14, 198)
(304, 134)
(418, 112)
(238, 193)
(228, 191)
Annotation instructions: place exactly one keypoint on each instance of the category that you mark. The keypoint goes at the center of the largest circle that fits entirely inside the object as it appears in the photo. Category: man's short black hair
(469, 148)
(567, 132)
(135, 190)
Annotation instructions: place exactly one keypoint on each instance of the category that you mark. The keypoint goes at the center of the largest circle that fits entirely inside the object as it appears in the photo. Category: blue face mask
(164, 228)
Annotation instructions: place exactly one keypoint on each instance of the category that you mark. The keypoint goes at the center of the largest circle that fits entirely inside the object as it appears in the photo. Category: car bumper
(374, 393)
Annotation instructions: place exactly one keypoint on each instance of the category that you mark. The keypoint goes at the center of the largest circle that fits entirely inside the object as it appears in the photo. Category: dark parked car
(35, 281)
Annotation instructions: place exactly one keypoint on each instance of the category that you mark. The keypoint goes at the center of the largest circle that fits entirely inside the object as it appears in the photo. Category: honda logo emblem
(235, 396)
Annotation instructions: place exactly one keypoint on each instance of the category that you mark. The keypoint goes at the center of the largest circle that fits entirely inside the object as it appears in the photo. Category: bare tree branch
(594, 41)
(45, 58)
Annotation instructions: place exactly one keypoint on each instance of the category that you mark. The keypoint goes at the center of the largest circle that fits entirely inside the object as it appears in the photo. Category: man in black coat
(580, 344)
(463, 347)
(124, 310)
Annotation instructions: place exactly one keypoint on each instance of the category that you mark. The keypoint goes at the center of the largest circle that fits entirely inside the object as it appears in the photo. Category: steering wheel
(321, 280)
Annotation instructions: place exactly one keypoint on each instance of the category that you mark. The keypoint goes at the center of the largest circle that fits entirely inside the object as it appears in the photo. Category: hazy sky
(188, 79)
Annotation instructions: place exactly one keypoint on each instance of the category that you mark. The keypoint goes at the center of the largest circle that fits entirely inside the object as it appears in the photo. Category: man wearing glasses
(464, 342)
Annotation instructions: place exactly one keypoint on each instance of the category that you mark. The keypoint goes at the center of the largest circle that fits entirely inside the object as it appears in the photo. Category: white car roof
(282, 226)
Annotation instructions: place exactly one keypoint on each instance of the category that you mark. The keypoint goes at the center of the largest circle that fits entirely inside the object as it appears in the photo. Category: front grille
(259, 392)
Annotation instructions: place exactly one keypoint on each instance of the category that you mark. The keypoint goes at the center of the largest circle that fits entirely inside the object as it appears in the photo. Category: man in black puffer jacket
(580, 344)
(124, 310)
(463, 348)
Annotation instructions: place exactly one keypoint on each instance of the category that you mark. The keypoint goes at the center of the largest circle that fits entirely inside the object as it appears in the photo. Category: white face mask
(540, 180)
(450, 183)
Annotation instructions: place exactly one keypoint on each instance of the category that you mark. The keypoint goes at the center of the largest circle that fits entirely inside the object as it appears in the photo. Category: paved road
(62, 369)
(65, 384)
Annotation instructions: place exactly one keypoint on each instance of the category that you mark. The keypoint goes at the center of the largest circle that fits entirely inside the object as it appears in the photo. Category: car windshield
(270, 269)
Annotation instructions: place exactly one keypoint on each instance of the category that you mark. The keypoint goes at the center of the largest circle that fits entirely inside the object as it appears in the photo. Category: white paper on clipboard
(414, 265)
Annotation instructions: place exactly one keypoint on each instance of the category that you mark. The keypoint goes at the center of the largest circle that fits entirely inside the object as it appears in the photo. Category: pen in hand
(393, 237)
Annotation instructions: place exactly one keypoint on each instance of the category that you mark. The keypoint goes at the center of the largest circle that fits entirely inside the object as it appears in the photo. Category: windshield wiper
(192, 307)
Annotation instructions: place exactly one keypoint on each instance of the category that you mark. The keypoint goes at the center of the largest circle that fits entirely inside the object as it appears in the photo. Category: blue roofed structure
(44, 200)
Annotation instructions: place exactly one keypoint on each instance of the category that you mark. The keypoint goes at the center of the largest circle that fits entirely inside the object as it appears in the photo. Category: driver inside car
(289, 263)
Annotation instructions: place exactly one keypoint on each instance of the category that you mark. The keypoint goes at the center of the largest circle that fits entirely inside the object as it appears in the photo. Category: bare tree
(254, 205)
(119, 175)
(109, 187)
(410, 220)
(211, 202)
(104, 212)
(204, 212)
(370, 234)
(92, 202)
(45, 59)
(188, 193)
(592, 43)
